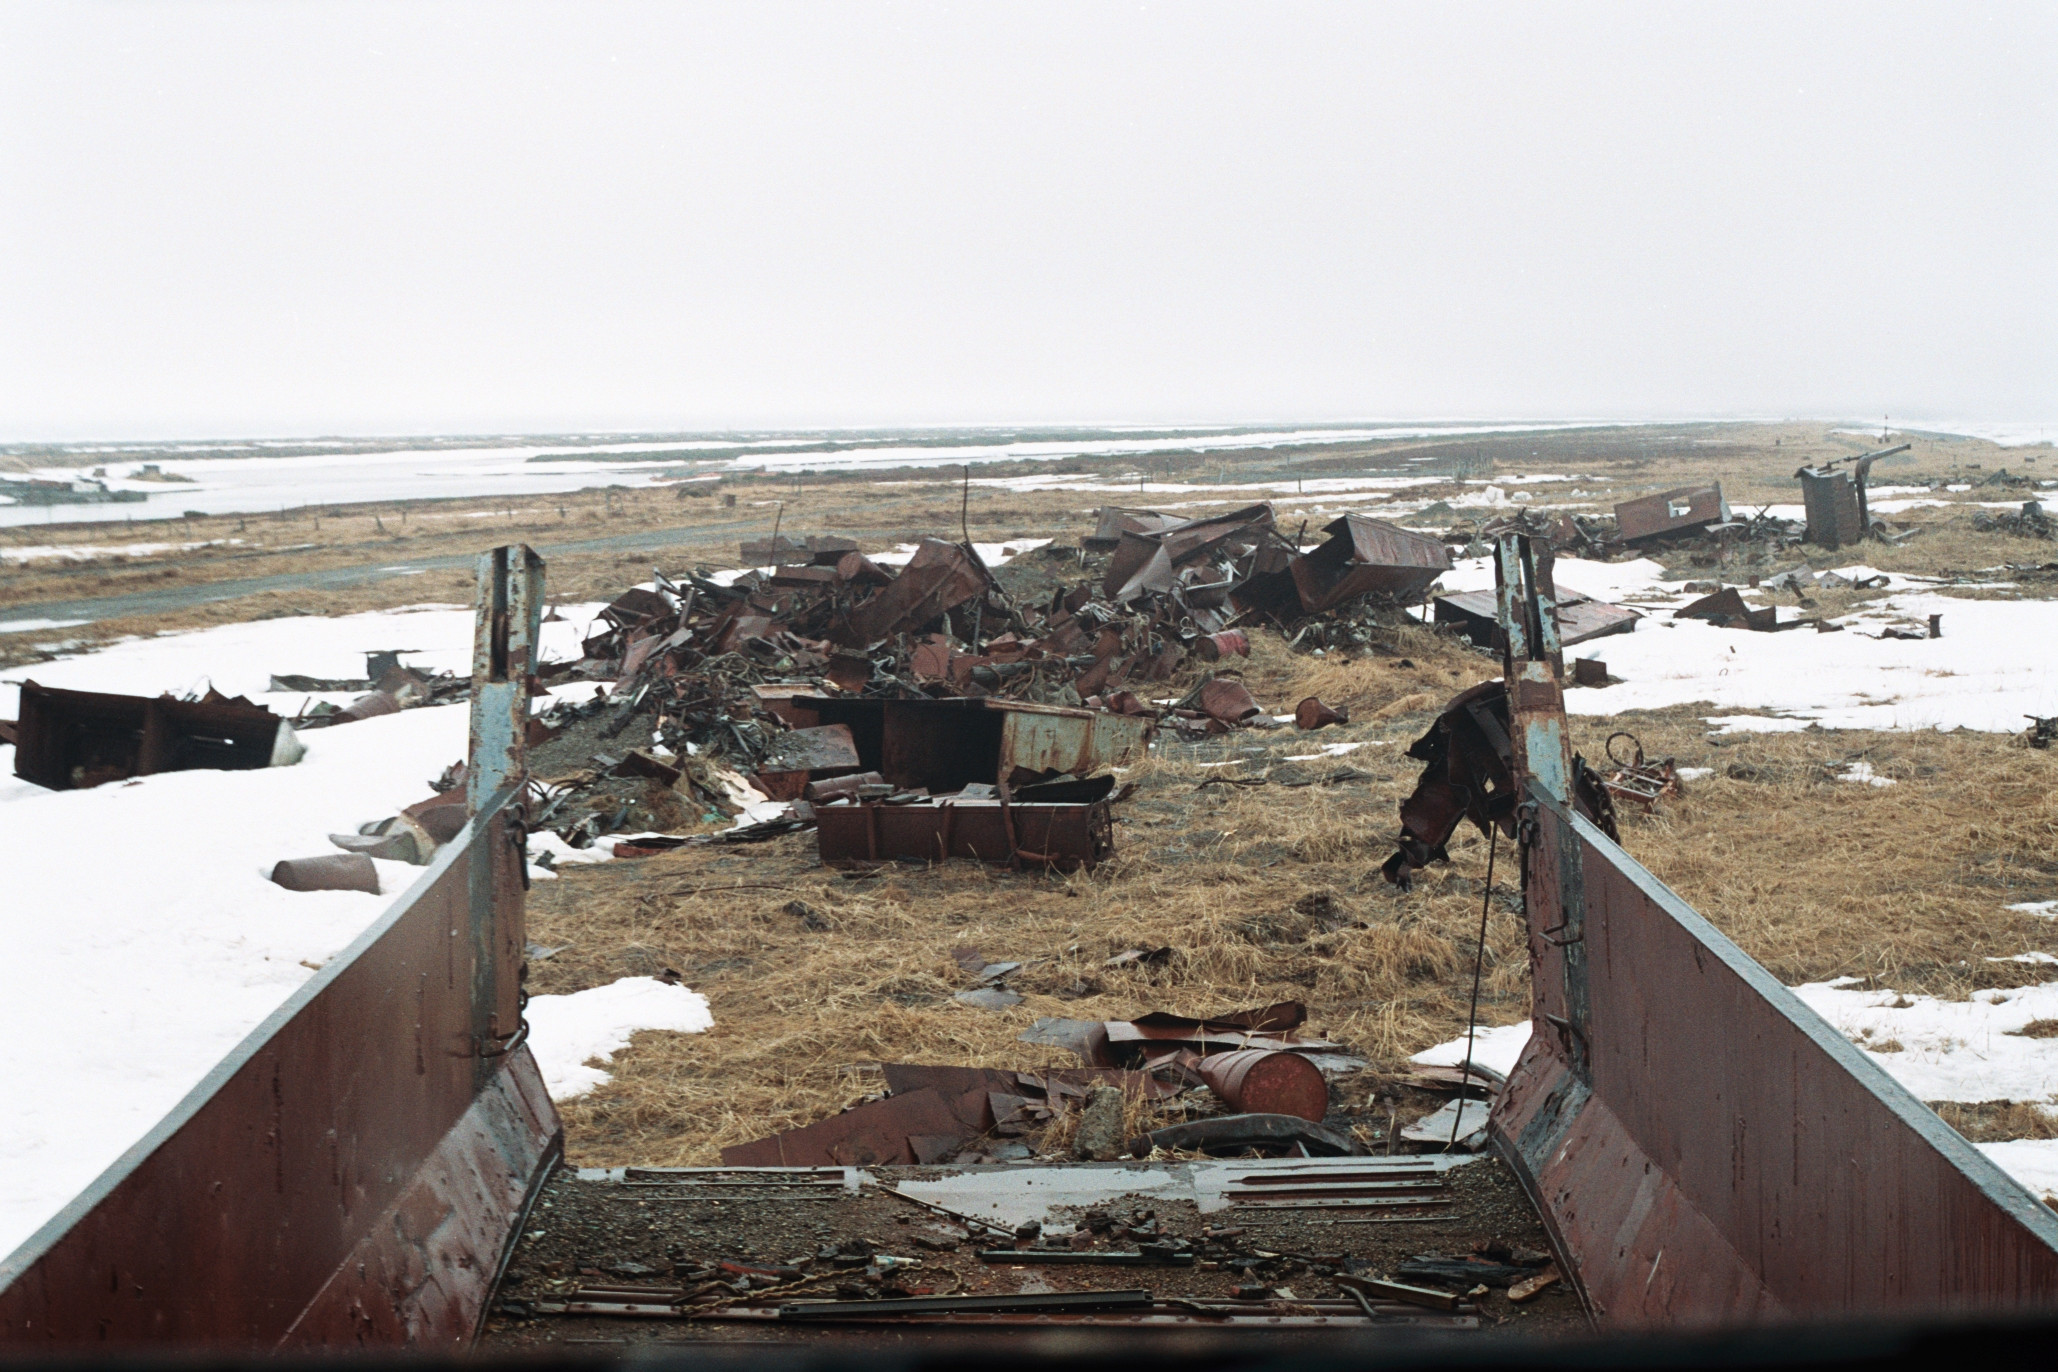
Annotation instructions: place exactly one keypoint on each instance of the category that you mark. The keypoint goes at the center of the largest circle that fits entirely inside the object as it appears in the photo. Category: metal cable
(1493, 843)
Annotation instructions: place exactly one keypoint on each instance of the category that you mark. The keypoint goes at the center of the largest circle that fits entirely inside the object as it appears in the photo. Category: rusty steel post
(510, 616)
(504, 634)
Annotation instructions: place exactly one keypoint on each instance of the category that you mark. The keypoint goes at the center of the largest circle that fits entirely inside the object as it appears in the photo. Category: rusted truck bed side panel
(343, 1130)
(1729, 1156)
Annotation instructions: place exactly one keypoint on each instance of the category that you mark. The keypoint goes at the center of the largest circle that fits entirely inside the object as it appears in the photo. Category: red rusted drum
(1265, 1081)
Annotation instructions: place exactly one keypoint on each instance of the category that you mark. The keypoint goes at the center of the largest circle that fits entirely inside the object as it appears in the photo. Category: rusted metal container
(1364, 556)
(1061, 837)
(1671, 512)
(329, 872)
(1313, 714)
(1265, 1081)
(1831, 500)
(73, 739)
(944, 744)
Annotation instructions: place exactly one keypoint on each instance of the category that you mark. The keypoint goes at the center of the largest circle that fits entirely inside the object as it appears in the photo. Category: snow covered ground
(567, 1033)
(143, 939)
(1979, 675)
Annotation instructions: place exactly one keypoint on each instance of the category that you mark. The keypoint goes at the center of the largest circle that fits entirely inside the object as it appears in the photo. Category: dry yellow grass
(1815, 877)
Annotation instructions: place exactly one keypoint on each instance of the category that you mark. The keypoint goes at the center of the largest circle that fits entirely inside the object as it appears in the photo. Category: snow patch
(568, 1033)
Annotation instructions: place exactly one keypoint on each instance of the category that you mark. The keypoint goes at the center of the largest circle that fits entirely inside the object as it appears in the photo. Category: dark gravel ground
(591, 1233)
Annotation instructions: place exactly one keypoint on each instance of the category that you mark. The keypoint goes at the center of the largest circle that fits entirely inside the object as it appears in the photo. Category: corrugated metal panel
(1077, 741)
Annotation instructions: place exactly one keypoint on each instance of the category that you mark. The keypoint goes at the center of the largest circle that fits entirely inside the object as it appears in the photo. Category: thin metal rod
(1493, 844)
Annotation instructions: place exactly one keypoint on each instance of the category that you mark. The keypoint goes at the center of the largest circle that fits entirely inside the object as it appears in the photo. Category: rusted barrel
(1313, 714)
(1228, 643)
(1266, 1081)
(333, 872)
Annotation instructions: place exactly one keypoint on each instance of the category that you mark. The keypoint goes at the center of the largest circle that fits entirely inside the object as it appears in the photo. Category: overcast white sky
(304, 217)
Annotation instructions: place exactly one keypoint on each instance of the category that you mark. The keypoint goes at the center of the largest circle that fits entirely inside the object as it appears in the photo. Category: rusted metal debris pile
(2028, 522)
(1230, 1260)
(1271, 1082)
(954, 704)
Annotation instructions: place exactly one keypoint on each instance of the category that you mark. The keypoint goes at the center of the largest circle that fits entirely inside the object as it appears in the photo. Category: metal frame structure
(1704, 1149)
(353, 1174)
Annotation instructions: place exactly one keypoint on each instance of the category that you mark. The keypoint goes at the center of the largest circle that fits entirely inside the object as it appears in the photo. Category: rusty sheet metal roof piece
(1060, 837)
(1671, 512)
(1364, 556)
(1580, 617)
(1787, 1178)
(1115, 520)
(917, 1126)
(69, 740)
(1264, 1082)
(1726, 609)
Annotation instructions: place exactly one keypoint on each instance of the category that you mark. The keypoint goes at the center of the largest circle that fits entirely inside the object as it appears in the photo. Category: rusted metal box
(1831, 499)
(1671, 512)
(70, 739)
(1364, 556)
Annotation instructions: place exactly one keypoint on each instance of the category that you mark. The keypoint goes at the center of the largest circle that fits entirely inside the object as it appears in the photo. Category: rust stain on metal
(1785, 1176)
(354, 1172)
